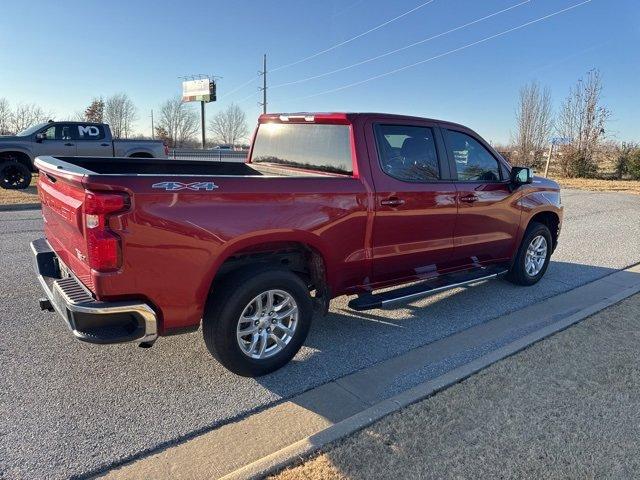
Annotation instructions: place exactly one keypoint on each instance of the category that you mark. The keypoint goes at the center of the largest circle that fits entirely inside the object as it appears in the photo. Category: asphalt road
(72, 409)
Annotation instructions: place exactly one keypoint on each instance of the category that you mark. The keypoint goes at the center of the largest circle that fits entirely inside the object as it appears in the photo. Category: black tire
(14, 175)
(518, 272)
(226, 304)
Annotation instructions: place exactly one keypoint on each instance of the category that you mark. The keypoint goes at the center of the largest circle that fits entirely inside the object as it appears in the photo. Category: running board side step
(441, 283)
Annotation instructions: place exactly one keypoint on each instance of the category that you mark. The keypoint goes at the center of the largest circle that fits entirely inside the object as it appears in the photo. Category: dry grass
(567, 407)
(15, 197)
(626, 186)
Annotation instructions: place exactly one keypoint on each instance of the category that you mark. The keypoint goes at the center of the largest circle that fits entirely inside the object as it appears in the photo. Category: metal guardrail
(218, 155)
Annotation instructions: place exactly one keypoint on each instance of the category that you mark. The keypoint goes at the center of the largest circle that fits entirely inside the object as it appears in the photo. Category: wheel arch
(20, 156)
(552, 220)
(304, 255)
(140, 154)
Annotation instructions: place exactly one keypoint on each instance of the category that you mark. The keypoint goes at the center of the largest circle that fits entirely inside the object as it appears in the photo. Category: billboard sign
(201, 90)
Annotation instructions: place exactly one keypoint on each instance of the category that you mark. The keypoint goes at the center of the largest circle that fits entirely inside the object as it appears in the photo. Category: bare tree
(5, 117)
(79, 116)
(26, 114)
(120, 113)
(534, 120)
(229, 126)
(177, 123)
(582, 120)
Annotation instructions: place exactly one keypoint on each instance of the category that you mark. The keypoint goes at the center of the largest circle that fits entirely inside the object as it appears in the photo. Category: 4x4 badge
(174, 186)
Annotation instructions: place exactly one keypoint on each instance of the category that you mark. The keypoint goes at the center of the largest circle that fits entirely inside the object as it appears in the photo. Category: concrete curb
(302, 449)
(20, 206)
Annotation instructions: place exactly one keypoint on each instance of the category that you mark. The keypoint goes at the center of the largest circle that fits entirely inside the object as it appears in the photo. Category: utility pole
(264, 84)
(153, 130)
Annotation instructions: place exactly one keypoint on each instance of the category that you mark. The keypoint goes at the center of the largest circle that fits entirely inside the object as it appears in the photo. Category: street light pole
(202, 121)
(546, 167)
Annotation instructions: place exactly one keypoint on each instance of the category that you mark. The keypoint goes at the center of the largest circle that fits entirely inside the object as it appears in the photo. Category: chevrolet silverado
(326, 205)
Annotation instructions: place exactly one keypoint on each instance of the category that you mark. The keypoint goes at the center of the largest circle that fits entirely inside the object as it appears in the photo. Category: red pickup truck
(327, 204)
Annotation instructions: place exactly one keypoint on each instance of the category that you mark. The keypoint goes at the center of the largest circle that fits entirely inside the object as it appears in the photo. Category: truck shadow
(346, 341)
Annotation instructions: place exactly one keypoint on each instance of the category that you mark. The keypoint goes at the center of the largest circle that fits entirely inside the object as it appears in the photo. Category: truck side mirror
(521, 176)
(40, 137)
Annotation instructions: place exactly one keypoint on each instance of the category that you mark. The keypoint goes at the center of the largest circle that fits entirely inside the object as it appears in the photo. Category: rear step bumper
(428, 287)
(88, 319)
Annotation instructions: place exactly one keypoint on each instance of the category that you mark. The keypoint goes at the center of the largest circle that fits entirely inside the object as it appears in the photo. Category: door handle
(105, 145)
(68, 144)
(392, 202)
(469, 198)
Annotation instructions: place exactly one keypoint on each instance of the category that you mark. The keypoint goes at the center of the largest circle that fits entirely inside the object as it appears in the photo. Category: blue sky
(61, 54)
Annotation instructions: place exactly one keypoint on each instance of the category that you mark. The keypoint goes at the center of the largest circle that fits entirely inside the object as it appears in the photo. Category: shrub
(634, 165)
(628, 162)
(578, 164)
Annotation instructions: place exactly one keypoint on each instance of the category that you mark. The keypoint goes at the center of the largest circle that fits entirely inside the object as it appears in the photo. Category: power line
(338, 45)
(244, 99)
(377, 57)
(240, 87)
(375, 77)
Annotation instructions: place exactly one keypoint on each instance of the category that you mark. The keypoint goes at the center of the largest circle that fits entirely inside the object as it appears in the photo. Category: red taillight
(103, 246)
(100, 203)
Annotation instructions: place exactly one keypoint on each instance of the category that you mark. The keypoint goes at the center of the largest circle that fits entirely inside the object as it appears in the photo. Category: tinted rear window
(325, 148)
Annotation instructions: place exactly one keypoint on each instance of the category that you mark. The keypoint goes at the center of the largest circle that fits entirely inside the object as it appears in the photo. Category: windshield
(324, 148)
(28, 131)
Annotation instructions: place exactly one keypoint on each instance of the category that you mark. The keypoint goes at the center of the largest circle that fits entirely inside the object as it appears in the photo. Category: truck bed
(154, 166)
(184, 232)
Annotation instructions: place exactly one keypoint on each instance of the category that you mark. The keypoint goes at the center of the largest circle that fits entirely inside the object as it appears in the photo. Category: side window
(408, 153)
(64, 132)
(473, 161)
(49, 133)
(58, 132)
(89, 132)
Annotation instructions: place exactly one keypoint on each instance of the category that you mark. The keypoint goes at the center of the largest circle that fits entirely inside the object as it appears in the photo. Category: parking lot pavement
(73, 408)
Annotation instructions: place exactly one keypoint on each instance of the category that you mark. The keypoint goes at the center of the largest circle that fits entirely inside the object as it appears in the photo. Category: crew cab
(65, 139)
(328, 204)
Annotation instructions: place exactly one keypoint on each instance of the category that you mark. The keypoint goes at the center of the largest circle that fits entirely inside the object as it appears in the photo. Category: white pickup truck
(67, 139)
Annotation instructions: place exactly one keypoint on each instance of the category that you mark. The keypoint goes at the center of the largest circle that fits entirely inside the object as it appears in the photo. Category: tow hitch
(45, 304)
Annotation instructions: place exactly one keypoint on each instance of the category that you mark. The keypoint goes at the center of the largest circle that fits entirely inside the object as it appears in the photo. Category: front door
(415, 201)
(91, 141)
(488, 218)
(58, 141)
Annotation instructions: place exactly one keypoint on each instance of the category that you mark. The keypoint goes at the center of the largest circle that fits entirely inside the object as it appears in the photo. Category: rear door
(91, 141)
(415, 200)
(58, 141)
(488, 219)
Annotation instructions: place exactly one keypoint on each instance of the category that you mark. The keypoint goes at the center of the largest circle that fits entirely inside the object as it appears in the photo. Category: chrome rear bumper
(90, 320)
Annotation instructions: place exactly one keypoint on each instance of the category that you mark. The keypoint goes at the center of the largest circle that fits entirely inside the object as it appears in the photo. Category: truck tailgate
(62, 209)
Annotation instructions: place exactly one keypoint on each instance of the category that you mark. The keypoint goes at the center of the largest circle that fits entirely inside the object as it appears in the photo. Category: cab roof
(341, 117)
